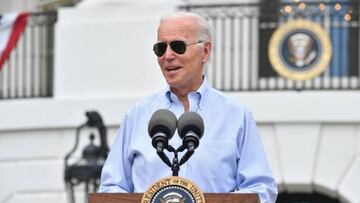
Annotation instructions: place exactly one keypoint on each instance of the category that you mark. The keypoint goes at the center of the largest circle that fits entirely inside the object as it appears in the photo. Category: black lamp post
(88, 169)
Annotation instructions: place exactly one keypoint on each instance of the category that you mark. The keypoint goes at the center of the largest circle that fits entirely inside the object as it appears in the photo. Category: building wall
(19, 5)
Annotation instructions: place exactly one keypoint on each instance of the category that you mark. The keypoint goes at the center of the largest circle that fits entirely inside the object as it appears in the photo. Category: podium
(136, 198)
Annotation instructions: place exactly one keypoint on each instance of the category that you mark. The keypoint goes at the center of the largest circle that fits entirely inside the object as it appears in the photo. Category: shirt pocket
(215, 160)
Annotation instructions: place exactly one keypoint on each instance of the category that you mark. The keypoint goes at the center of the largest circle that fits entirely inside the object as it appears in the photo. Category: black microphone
(162, 126)
(190, 129)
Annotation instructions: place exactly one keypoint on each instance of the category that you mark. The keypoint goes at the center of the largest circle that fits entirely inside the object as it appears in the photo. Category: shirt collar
(201, 91)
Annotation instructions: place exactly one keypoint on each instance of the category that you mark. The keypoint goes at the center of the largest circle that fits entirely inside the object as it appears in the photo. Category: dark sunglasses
(177, 46)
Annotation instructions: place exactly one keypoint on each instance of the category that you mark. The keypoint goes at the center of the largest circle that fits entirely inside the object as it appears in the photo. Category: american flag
(11, 27)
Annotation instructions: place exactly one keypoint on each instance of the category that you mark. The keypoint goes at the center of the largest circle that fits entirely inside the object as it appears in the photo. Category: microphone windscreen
(163, 121)
(190, 121)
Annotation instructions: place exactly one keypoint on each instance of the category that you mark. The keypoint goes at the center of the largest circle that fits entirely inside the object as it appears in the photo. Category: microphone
(190, 129)
(161, 128)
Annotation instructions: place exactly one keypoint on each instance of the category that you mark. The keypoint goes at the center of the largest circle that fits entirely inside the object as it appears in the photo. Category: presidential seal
(300, 50)
(173, 190)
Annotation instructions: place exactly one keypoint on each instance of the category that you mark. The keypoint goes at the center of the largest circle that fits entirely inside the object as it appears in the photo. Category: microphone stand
(175, 166)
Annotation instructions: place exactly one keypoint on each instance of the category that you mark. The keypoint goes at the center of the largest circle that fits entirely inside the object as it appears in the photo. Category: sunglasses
(177, 46)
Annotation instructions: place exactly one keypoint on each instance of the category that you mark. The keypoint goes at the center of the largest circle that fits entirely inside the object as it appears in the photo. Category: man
(230, 157)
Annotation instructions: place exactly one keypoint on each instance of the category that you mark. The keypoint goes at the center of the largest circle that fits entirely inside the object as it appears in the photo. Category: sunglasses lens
(160, 48)
(178, 46)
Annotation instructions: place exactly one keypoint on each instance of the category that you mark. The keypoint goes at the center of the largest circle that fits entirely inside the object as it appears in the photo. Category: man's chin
(172, 84)
(172, 81)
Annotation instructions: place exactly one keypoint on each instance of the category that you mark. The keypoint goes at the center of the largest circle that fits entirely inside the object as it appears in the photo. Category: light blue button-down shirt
(230, 157)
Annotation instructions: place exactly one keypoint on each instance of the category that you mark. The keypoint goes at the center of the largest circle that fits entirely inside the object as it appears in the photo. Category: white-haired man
(230, 157)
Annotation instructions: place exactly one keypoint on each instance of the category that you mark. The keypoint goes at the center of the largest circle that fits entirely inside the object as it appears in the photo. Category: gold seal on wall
(300, 50)
(173, 189)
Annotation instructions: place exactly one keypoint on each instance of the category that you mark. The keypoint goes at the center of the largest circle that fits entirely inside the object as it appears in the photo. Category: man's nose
(169, 53)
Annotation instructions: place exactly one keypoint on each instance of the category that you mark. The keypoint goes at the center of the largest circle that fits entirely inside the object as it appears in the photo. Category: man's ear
(207, 51)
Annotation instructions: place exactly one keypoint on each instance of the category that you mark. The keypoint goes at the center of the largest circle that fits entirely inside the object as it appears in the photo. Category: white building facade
(103, 61)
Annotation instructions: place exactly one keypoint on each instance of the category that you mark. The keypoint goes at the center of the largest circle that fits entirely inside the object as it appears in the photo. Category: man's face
(182, 71)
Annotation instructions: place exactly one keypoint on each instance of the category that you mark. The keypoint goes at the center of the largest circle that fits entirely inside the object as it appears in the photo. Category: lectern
(136, 198)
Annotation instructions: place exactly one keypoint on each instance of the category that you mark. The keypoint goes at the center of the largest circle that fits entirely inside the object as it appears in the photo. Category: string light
(322, 7)
(287, 9)
(337, 6)
(302, 6)
(347, 17)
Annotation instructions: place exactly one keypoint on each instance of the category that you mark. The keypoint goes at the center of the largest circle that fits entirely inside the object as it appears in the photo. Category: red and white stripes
(11, 27)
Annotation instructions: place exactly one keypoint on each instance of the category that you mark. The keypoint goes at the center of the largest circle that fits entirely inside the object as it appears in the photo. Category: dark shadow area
(305, 198)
